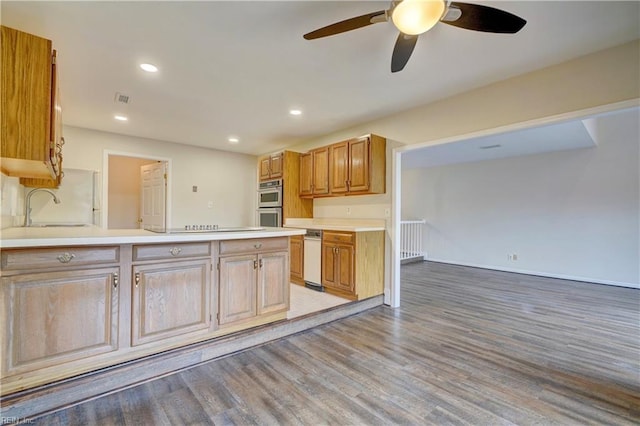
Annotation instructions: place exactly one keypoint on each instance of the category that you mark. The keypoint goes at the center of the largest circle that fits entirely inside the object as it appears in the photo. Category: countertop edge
(105, 237)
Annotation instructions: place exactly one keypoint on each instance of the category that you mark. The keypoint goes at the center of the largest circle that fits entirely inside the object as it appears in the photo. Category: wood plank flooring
(468, 346)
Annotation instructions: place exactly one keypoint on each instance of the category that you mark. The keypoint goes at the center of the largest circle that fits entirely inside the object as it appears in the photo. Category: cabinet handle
(260, 263)
(257, 245)
(255, 264)
(115, 280)
(137, 279)
(175, 251)
(66, 257)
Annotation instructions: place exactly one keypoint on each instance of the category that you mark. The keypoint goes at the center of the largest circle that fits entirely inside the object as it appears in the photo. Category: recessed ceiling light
(149, 67)
(120, 117)
(233, 139)
(295, 112)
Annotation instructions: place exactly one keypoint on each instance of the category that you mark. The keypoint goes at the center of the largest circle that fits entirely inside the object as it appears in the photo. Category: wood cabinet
(355, 167)
(170, 299)
(31, 125)
(296, 256)
(57, 306)
(353, 263)
(171, 293)
(253, 279)
(292, 204)
(338, 262)
(314, 173)
(270, 167)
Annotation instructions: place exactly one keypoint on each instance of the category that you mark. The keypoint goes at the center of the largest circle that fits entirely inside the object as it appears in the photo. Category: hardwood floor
(468, 346)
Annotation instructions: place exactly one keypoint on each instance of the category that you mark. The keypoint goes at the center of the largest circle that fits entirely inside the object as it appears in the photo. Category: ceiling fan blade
(402, 51)
(348, 25)
(484, 18)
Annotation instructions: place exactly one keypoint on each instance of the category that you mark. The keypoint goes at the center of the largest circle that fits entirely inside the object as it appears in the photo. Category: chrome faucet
(27, 204)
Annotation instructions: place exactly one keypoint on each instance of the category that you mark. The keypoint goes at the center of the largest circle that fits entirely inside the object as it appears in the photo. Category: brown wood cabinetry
(60, 307)
(30, 124)
(314, 173)
(296, 255)
(353, 263)
(171, 292)
(355, 167)
(253, 279)
(270, 167)
(170, 299)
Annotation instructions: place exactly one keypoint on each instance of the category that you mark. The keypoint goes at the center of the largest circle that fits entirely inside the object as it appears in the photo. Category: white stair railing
(411, 233)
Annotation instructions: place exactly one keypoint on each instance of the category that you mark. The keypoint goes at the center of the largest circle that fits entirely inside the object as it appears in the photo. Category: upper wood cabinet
(314, 173)
(30, 124)
(270, 167)
(356, 166)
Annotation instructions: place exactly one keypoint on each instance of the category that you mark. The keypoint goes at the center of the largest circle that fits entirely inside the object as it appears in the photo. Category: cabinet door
(170, 299)
(344, 278)
(237, 299)
(306, 175)
(273, 282)
(338, 168)
(320, 171)
(275, 166)
(296, 264)
(264, 168)
(359, 165)
(329, 264)
(58, 317)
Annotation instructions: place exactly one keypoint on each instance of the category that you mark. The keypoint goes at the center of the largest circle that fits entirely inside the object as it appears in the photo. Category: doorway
(123, 191)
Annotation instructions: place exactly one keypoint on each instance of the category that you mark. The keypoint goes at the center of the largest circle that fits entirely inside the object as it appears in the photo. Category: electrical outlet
(194, 188)
(514, 256)
(348, 210)
(210, 204)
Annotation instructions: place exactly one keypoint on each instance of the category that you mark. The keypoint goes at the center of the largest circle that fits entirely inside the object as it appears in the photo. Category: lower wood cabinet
(65, 311)
(353, 263)
(296, 255)
(53, 318)
(253, 279)
(170, 299)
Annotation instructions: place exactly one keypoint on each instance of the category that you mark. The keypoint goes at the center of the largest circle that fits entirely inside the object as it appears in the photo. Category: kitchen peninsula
(76, 299)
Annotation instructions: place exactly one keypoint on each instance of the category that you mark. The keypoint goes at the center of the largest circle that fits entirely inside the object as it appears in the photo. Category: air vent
(490, 146)
(121, 98)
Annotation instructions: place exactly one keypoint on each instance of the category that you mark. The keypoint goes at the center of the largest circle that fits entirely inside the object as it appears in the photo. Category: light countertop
(332, 224)
(92, 235)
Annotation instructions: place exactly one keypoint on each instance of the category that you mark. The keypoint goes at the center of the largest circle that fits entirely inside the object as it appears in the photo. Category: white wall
(572, 214)
(228, 179)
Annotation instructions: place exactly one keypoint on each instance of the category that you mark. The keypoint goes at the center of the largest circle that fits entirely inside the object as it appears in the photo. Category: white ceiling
(556, 137)
(236, 68)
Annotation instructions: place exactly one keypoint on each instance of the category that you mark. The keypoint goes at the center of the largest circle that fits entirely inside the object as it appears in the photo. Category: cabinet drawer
(60, 256)
(253, 245)
(338, 237)
(171, 251)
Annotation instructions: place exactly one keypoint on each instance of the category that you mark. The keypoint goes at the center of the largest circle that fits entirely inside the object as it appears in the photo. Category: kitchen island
(76, 299)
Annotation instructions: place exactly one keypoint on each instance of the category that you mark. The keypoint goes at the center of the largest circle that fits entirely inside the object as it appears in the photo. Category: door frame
(104, 219)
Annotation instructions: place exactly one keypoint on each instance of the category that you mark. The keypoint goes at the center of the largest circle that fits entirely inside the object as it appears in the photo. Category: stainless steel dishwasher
(313, 259)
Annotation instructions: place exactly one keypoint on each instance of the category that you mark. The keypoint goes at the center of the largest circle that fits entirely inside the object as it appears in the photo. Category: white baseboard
(542, 274)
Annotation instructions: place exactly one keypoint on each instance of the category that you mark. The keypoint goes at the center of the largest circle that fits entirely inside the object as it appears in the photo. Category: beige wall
(226, 179)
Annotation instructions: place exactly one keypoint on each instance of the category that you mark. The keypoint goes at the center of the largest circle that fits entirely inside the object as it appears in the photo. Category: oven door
(271, 197)
(270, 217)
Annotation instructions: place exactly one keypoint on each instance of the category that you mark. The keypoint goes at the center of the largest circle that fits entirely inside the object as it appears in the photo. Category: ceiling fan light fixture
(413, 17)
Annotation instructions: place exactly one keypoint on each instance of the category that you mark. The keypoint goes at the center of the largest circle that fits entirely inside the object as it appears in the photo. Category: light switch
(194, 188)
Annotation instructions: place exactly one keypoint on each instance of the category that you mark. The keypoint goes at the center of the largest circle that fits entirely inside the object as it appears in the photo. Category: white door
(153, 178)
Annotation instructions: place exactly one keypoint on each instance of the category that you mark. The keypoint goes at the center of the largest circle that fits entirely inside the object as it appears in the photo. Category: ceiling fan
(414, 17)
